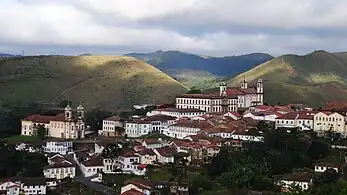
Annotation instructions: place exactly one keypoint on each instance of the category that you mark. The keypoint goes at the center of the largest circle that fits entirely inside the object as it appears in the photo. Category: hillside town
(134, 155)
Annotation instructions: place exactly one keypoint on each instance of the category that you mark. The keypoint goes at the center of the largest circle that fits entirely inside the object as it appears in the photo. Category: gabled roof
(140, 183)
(151, 141)
(180, 110)
(193, 124)
(93, 161)
(146, 152)
(289, 116)
(160, 117)
(132, 192)
(166, 151)
(38, 118)
(33, 181)
(113, 118)
(59, 165)
(297, 176)
(323, 163)
(230, 92)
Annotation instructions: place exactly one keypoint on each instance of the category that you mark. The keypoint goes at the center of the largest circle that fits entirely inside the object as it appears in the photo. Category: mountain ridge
(301, 78)
(108, 82)
(191, 69)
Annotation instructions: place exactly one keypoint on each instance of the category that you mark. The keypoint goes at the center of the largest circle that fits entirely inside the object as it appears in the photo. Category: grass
(108, 82)
(21, 138)
(313, 79)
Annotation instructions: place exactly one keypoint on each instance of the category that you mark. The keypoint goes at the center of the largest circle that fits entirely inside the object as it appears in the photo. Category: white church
(67, 125)
(226, 100)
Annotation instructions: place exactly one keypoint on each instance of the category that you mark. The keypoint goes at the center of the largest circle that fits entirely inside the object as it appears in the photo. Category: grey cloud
(219, 27)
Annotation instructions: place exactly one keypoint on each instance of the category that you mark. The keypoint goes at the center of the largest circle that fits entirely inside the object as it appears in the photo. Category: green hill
(313, 79)
(201, 71)
(108, 82)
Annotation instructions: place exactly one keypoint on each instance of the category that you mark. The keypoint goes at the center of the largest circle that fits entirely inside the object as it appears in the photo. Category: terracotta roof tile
(180, 110)
(113, 118)
(160, 117)
(93, 161)
(166, 151)
(193, 124)
(297, 176)
(38, 118)
(132, 192)
(140, 183)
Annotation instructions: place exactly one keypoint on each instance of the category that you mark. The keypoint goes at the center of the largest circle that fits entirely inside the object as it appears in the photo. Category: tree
(111, 151)
(194, 91)
(41, 131)
(318, 150)
(95, 117)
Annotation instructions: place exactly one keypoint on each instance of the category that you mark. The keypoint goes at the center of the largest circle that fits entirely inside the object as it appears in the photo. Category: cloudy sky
(208, 27)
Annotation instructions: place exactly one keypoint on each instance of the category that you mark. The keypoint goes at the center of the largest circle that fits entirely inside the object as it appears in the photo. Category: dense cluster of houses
(195, 129)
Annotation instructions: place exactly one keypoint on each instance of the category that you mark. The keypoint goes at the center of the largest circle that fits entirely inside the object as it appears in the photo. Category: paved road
(98, 187)
(85, 181)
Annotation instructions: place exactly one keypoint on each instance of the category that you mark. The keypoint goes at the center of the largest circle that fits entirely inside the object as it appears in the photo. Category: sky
(206, 27)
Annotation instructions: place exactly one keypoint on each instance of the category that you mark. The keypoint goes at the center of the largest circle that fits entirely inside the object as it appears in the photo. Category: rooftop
(93, 161)
(180, 110)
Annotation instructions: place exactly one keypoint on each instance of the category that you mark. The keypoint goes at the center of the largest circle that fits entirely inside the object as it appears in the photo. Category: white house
(128, 162)
(110, 164)
(67, 125)
(177, 112)
(263, 115)
(302, 120)
(165, 154)
(184, 128)
(300, 179)
(160, 122)
(147, 156)
(322, 166)
(33, 185)
(58, 146)
(110, 125)
(133, 186)
(152, 143)
(60, 170)
(235, 133)
(138, 128)
(324, 121)
(227, 99)
(91, 166)
(10, 187)
(24, 185)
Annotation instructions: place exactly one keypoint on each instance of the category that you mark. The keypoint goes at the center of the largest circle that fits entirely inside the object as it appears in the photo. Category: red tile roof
(57, 159)
(160, 117)
(166, 151)
(193, 124)
(180, 110)
(231, 93)
(132, 192)
(93, 162)
(140, 183)
(288, 116)
(38, 118)
(336, 106)
(59, 165)
(306, 115)
(151, 141)
(146, 152)
(113, 118)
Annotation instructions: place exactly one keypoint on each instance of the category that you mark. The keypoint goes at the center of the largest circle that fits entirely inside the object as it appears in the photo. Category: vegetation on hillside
(258, 167)
(106, 82)
(312, 79)
(201, 71)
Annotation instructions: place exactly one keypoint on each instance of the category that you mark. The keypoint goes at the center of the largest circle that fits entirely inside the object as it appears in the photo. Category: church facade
(67, 125)
(227, 99)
